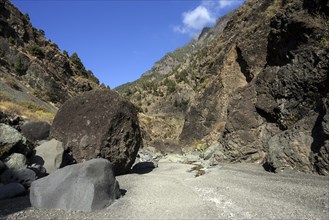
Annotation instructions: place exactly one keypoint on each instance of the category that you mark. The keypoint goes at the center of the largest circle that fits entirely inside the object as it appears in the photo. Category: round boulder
(99, 124)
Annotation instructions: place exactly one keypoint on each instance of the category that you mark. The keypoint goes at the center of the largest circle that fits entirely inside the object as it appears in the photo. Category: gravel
(227, 191)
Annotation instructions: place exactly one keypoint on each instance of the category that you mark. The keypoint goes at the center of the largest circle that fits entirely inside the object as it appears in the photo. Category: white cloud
(195, 20)
(203, 15)
(226, 3)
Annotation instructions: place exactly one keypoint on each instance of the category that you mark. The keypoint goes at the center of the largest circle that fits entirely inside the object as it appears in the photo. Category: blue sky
(120, 40)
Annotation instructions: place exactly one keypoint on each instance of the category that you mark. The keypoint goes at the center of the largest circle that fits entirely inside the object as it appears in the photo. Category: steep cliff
(258, 86)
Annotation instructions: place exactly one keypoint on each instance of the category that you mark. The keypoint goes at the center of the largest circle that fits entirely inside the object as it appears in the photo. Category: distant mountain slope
(33, 70)
(258, 87)
(166, 89)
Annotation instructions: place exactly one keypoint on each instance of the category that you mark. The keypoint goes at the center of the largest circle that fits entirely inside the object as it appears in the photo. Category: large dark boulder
(84, 187)
(99, 124)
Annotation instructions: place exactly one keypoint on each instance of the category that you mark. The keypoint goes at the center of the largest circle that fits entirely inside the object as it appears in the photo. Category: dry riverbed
(240, 191)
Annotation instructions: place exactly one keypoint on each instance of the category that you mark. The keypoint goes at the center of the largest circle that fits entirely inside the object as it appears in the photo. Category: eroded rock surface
(99, 124)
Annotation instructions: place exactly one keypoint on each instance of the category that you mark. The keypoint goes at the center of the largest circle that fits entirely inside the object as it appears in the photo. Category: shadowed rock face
(280, 117)
(99, 124)
(35, 130)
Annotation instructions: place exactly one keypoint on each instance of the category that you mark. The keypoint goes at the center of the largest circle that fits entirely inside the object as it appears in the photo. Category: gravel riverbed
(228, 191)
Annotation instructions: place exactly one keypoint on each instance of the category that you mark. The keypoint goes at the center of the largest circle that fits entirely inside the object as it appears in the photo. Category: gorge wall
(257, 84)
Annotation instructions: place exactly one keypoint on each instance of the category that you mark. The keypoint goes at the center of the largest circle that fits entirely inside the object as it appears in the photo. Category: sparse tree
(27, 16)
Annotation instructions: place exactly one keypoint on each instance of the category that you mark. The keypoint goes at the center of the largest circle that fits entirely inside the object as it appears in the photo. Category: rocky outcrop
(16, 172)
(280, 122)
(259, 87)
(81, 187)
(33, 70)
(165, 93)
(11, 141)
(99, 124)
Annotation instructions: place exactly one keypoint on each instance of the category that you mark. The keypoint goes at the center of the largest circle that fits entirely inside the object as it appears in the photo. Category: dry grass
(4, 96)
(27, 110)
(12, 83)
(273, 9)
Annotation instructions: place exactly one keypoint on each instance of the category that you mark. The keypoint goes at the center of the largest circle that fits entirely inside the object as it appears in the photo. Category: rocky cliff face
(286, 103)
(32, 68)
(258, 86)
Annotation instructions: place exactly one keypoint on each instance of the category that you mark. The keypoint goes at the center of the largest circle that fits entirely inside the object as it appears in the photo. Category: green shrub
(171, 85)
(74, 58)
(66, 53)
(2, 53)
(182, 76)
(92, 77)
(11, 40)
(55, 45)
(35, 50)
(139, 108)
(202, 146)
(20, 67)
(42, 32)
(27, 16)
(139, 97)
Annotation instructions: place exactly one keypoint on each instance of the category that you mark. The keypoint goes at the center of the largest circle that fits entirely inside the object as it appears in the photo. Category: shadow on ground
(13, 205)
(143, 168)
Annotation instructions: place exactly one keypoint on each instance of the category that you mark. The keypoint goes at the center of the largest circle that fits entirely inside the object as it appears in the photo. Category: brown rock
(99, 124)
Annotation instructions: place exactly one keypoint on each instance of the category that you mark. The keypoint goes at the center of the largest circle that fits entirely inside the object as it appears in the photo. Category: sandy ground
(240, 191)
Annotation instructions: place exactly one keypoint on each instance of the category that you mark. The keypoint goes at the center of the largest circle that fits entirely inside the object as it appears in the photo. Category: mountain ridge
(259, 81)
(33, 64)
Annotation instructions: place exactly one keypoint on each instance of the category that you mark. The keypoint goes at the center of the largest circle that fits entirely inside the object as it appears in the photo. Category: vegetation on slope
(37, 65)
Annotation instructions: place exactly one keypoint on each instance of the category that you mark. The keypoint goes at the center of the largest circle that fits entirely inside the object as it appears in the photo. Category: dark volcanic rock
(22, 176)
(35, 130)
(11, 190)
(4, 118)
(99, 124)
(285, 117)
(85, 187)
